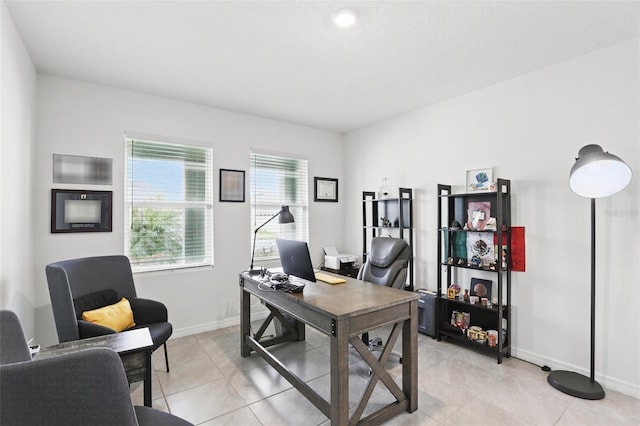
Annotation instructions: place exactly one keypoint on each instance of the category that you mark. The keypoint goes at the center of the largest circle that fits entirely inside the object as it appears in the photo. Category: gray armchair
(13, 343)
(88, 387)
(83, 284)
(387, 264)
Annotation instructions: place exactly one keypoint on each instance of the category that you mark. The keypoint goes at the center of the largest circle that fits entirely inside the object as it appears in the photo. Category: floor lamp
(284, 216)
(596, 174)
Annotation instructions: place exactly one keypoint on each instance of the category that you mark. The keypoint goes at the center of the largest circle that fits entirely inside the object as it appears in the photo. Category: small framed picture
(232, 185)
(325, 189)
(480, 180)
(451, 293)
(478, 215)
(481, 288)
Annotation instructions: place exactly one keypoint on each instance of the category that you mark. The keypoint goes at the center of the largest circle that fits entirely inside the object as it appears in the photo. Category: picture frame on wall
(78, 169)
(480, 180)
(80, 211)
(232, 185)
(325, 189)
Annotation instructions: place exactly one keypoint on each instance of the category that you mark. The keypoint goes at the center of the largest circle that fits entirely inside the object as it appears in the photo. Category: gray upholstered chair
(83, 284)
(13, 343)
(387, 264)
(87, 387)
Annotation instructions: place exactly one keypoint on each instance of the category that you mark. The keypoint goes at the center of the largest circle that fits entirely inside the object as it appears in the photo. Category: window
(168, 205)
(277, 181)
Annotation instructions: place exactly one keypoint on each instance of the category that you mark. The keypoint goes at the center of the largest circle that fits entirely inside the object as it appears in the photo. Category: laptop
(295, 259)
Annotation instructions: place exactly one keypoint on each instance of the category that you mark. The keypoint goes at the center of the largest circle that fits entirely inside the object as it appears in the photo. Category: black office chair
(387, 264)
(88, 283)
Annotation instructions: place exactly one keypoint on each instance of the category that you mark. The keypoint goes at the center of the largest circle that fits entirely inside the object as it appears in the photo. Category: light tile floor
(210, 384)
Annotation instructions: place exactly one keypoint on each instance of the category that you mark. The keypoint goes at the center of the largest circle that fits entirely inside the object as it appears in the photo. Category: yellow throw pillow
(118, 316)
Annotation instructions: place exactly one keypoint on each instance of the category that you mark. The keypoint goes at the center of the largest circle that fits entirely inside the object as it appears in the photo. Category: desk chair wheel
(375, 344)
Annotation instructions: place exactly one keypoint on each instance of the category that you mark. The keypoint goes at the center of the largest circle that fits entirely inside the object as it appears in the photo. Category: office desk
(133, 346)
(343, 312)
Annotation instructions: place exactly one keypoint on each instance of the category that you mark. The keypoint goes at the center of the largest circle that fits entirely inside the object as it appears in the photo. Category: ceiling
(285, 60)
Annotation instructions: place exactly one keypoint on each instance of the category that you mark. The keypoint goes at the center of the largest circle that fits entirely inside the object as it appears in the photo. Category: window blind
(276, 181)
(168, 205)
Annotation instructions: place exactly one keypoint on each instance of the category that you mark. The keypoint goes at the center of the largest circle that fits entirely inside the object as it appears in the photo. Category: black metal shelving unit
(398, 211)
(498, 316)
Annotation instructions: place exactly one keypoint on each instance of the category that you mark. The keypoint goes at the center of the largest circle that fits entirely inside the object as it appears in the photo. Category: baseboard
(606, 381)
(210, 326)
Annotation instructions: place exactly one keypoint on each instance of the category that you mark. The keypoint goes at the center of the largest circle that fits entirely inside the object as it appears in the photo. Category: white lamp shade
(598, 174)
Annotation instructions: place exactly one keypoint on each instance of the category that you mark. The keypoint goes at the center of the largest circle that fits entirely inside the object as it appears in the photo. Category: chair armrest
(361, 272)
(147, 311)
(89, 329)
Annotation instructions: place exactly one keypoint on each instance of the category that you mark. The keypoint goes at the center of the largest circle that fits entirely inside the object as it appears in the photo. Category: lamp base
(575, 384)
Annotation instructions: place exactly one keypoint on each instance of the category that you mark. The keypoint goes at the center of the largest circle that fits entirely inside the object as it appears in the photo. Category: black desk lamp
(596, 174)
(285, 216)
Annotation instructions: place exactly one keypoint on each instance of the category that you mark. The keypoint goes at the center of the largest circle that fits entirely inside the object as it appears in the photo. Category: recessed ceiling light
(344, 18)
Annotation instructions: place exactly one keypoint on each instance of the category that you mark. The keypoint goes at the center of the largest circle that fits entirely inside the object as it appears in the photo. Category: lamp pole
(593, 291)
(595, 174)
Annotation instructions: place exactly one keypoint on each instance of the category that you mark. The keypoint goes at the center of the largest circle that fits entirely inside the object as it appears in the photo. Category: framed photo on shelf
(232, 185)
(451, 293)
(478, 215)
(325, 189)
(481, 288)
(480, 180)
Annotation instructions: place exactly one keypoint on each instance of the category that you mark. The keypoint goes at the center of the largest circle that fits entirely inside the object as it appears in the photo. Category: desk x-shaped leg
(378, 370)
(295, 330)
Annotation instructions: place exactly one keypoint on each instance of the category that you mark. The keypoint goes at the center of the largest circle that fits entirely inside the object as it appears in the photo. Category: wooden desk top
(123, 342)
(352, 298)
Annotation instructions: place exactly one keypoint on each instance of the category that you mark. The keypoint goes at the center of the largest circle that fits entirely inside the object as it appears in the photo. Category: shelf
(461, 338)
(455, 244)
(493, 308)
(387, 227)
(470, 194)
(473, 230)
(475, 268)
(395, 211)
(385, 200)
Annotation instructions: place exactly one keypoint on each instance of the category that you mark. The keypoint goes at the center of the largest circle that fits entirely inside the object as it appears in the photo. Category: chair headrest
(384, 251)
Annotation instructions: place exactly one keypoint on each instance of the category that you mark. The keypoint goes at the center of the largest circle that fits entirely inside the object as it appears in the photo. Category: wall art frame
(232, 185)
(81, 211)
(325, 189)
(77, 169)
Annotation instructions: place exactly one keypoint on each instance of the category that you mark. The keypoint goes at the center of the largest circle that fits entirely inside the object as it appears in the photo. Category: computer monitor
(295, 259)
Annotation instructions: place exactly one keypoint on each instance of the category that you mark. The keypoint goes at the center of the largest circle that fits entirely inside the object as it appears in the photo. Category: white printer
(335, 260)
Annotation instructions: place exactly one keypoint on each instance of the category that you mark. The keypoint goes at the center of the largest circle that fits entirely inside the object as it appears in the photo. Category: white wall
(17, 118)
(530, 130)
(85, 119)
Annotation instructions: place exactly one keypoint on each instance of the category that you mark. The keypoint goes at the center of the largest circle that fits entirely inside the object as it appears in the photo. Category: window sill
(171, 269)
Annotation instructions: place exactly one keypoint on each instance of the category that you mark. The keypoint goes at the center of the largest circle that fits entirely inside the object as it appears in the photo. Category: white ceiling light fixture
(344, 18)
